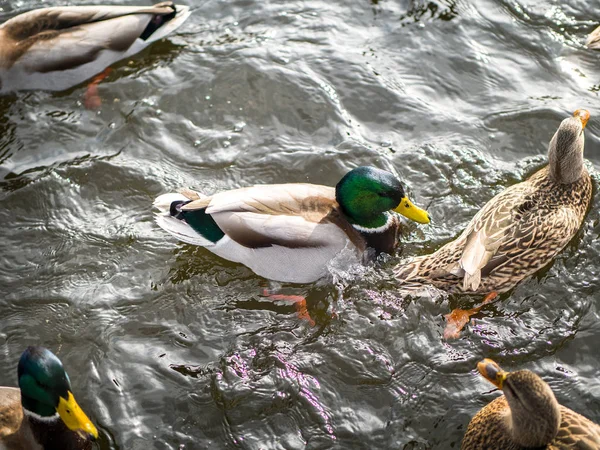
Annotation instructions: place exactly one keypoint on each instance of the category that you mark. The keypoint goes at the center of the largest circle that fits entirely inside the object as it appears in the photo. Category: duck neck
(372, 225)
(51, 433)
(532, 430)
(565, 163)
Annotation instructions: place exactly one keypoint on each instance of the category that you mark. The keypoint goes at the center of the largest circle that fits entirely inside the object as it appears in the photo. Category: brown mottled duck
(527, 416)
(518, 231)
(42, 413)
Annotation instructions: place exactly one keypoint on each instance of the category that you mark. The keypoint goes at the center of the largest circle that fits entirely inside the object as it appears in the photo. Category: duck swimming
(57, 48)
(42, 413)
(518, 231)
(290, 232)
(527, 416)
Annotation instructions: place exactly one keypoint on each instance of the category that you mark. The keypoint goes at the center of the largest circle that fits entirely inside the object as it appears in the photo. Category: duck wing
(288, 215)
(488, 231)
(576, 432)
(519, 223)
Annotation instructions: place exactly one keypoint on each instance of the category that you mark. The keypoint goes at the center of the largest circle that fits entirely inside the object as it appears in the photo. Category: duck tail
(411, 271)
(163, 24)
(471, 282)
(173, 220)
(436, 270)
(163, 202)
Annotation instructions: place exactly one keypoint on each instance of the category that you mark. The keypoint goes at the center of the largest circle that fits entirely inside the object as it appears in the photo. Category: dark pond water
(170, 347)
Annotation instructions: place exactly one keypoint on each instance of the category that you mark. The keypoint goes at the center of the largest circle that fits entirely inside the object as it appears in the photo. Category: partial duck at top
(593, 39)
(527, 416)
(59, 47)
(290, 232)
(520, 230)
(42, 414)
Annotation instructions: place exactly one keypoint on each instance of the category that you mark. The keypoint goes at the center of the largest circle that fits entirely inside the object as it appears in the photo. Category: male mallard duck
(43, 415)
(57, 48)
(290, 232)
(526, 416)
(518, 231)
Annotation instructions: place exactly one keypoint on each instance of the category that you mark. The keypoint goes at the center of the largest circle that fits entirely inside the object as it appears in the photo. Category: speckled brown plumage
(521, 229)
(487, 430)
(531, 221)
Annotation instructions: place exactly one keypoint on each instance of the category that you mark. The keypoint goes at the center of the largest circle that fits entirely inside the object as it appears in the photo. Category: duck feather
(511, 237)
(289, 215)
(271, 228)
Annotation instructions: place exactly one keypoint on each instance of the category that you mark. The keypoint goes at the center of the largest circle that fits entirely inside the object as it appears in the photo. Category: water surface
(170, 347)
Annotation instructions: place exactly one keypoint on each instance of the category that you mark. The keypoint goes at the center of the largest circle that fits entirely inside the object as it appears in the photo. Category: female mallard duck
(518, 231)
(526, 416)
(43, 415)
(290, 232)
(57, 48)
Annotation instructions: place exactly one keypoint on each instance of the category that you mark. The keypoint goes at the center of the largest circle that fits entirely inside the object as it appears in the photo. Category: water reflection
(176, 347)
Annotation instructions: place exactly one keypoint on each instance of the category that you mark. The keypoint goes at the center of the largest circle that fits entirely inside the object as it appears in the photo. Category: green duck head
(46, 391)
(365, 194)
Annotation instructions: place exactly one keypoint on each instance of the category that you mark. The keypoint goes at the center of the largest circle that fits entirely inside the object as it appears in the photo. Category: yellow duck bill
(492, 372)
(74, 417)
(412, 212)
(583, 115)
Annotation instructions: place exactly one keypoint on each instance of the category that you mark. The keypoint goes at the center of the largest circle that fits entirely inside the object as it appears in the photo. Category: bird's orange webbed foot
(91, 98)
(299, 303)
(458, 318)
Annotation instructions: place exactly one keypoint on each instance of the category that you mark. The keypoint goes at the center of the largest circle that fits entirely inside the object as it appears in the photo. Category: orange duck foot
(458, 318)
(299, 303)
(91, 98)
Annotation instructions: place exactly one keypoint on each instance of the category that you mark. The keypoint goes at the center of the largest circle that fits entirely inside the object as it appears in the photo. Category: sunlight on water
(170, 347)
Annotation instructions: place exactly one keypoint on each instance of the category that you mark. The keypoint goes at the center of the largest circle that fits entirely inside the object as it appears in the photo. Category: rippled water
(170, 347)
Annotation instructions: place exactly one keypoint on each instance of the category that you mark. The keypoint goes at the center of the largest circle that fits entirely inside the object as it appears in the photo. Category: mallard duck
(290, 232)
(42, 414)
(518, 231)
(60, 47)
(527, 416)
